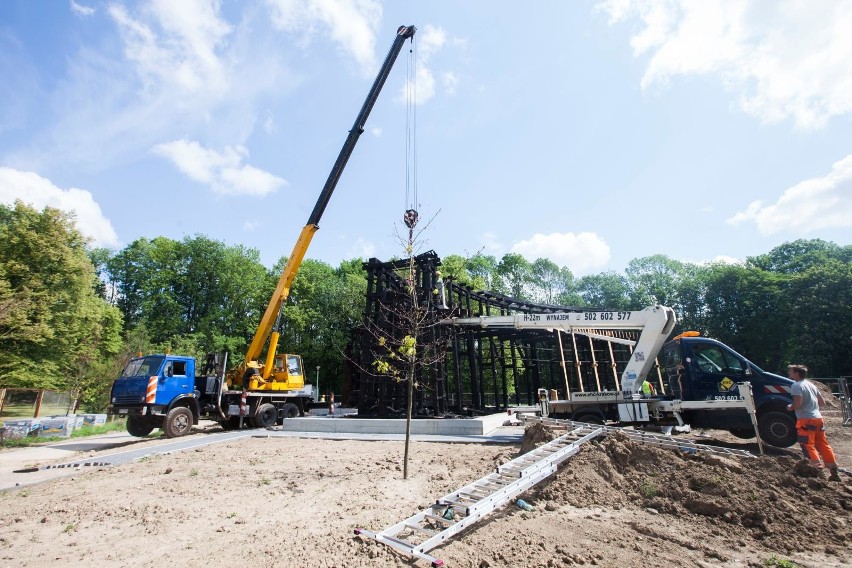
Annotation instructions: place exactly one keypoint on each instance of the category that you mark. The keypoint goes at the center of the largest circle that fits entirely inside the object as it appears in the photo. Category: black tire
(742, 433)
(231, 423)
(139, 426)
(178, 422)
(290, 410)
(777, 429)
(590, 418)
(266, 416)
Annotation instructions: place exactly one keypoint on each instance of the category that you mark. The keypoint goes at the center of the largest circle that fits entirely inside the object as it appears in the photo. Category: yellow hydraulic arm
(268, 324)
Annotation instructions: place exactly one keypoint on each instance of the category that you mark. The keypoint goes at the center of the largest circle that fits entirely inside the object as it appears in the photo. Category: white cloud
(491, 244)
(724, 259)
(250, 226)
(376, 131)
(718, 259)
(224, 172)
(450, 81)
(351, 24)
(269, 123)
(176, 44)
(432, 40)
(810, 205)
(39, 192)
(81, 10)
(581, 252)
(181, 70)
(784, 59)
(421, 87)
(361, 248)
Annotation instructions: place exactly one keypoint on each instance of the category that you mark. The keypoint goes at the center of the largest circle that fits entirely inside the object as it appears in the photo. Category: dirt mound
(759, 498)
(831, 401)
(535, 434)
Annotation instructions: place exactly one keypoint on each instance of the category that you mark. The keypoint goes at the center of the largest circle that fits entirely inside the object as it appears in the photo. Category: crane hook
(410, 218)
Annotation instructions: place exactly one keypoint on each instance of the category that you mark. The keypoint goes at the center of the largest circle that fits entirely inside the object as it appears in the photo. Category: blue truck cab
(157, 391)
(703, 369)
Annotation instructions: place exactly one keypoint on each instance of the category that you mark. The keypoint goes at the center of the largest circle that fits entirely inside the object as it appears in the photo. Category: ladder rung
(437, 518)
(399, 541)
(419, 529)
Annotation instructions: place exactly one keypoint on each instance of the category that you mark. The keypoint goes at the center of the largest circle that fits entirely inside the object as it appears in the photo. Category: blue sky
(587, 132)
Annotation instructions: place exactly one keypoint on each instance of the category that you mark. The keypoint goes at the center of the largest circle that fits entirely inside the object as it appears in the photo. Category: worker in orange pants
(810, 426)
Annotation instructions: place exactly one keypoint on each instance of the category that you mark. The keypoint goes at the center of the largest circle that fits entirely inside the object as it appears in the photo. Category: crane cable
(411, 199)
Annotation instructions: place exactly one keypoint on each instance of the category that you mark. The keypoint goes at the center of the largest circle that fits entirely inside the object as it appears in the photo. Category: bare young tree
(406, 341)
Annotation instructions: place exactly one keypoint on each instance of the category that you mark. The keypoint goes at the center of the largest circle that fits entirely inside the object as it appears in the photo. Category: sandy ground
(296, 502)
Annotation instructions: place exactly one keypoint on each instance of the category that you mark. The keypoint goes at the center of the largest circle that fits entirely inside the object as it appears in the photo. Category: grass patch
(648, 490)
(780, 562)
(83, 432)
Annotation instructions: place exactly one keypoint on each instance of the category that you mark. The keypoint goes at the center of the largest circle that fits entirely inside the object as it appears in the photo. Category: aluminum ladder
(643, 437)
(454, 512)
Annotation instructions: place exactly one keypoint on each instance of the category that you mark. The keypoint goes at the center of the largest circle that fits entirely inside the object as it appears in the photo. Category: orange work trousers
(814, 444)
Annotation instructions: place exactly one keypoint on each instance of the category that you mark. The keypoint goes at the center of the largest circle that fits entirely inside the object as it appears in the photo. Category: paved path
(36, 464)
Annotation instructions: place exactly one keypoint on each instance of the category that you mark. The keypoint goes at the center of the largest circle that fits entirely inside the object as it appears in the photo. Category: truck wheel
(777, 429)
(231, 423)
(290, 410)
(138, 426)
(267, 414)
(178, 422)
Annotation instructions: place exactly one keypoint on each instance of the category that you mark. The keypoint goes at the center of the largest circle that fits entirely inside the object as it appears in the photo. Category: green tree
(655, 280)
(744, 309)
(551, 284)
(196, 295)
(514, 276)
(483, 271)
(819, 301)
(606, 290)
(53, 322)
(801, 255)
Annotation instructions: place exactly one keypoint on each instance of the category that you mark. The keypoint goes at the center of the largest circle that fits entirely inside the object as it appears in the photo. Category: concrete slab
(480, 426)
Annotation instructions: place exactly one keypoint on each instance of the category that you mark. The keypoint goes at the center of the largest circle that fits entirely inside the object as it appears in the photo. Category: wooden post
(564, 370)
(595, 363)
(613, 365)
(577, 362)
(38, 403)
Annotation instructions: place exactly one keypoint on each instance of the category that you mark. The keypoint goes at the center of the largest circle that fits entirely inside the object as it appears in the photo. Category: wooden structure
(483, 370)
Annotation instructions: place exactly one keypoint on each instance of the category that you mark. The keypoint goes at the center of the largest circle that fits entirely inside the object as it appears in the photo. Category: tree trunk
(410, 379)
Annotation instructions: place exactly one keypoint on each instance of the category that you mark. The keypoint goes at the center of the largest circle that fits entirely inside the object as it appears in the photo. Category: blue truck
(163, 391)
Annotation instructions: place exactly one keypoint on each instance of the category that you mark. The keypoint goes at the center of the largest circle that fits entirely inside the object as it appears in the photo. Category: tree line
(72, 315)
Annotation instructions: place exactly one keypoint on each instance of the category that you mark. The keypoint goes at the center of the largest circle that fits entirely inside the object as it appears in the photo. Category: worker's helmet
(253, 365)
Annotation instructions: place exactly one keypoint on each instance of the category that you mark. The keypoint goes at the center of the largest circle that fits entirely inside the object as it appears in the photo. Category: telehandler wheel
(590, 418)
(178, 422)
(742, 433)
(138, 426)
(266, 417)
(777, 429)
(290, 410)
